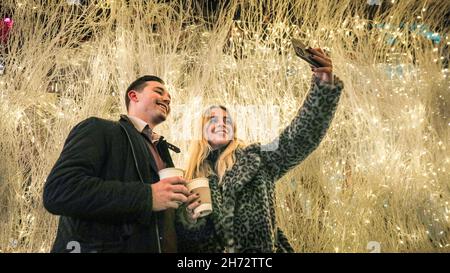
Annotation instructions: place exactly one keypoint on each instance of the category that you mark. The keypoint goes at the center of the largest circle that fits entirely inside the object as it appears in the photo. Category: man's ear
(132, 95)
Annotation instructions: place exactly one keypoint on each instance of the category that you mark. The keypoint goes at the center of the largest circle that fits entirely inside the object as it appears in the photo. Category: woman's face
(218, 129)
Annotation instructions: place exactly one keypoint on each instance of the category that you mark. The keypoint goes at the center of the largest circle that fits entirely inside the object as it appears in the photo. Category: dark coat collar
(141, 152)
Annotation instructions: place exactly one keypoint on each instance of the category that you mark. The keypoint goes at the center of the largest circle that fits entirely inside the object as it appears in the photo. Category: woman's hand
(325, 72)
(193, 203)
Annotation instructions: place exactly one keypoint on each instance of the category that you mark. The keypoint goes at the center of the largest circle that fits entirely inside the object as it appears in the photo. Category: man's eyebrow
(163, 90)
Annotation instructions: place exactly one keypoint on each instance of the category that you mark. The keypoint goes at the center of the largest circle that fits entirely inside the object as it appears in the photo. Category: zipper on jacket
(142, 180)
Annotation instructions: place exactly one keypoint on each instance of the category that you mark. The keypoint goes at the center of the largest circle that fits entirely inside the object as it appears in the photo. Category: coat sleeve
(74, 188)
(194, 237)
(306, 130)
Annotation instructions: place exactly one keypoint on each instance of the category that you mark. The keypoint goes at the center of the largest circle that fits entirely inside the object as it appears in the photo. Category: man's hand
(325, 72)
(167, 192)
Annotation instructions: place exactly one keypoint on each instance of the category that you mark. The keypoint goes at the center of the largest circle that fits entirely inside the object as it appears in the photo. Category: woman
(242, 178)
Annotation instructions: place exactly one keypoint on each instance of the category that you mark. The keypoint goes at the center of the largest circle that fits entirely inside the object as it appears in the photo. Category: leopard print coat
(243, 217)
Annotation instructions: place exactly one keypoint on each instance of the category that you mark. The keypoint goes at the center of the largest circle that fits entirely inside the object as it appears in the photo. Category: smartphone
(302, 52)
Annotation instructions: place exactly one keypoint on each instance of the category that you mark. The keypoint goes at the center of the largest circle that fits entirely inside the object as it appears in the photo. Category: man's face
(153, 102)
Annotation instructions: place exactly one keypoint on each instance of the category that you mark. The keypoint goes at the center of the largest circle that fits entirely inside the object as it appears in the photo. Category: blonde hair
(200, 149)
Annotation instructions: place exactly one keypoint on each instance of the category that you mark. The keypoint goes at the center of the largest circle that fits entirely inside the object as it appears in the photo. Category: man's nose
(166, 98)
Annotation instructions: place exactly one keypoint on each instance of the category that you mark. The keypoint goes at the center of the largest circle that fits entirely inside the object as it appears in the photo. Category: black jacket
(100, 185)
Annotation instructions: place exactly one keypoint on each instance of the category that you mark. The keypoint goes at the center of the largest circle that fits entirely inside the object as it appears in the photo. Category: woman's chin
(220, 143)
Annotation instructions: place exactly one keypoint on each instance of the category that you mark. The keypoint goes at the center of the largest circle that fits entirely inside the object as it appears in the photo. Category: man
(105, 184)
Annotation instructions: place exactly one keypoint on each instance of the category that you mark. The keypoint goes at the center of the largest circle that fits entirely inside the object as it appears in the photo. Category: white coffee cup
(201, 186)
(171, 172)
